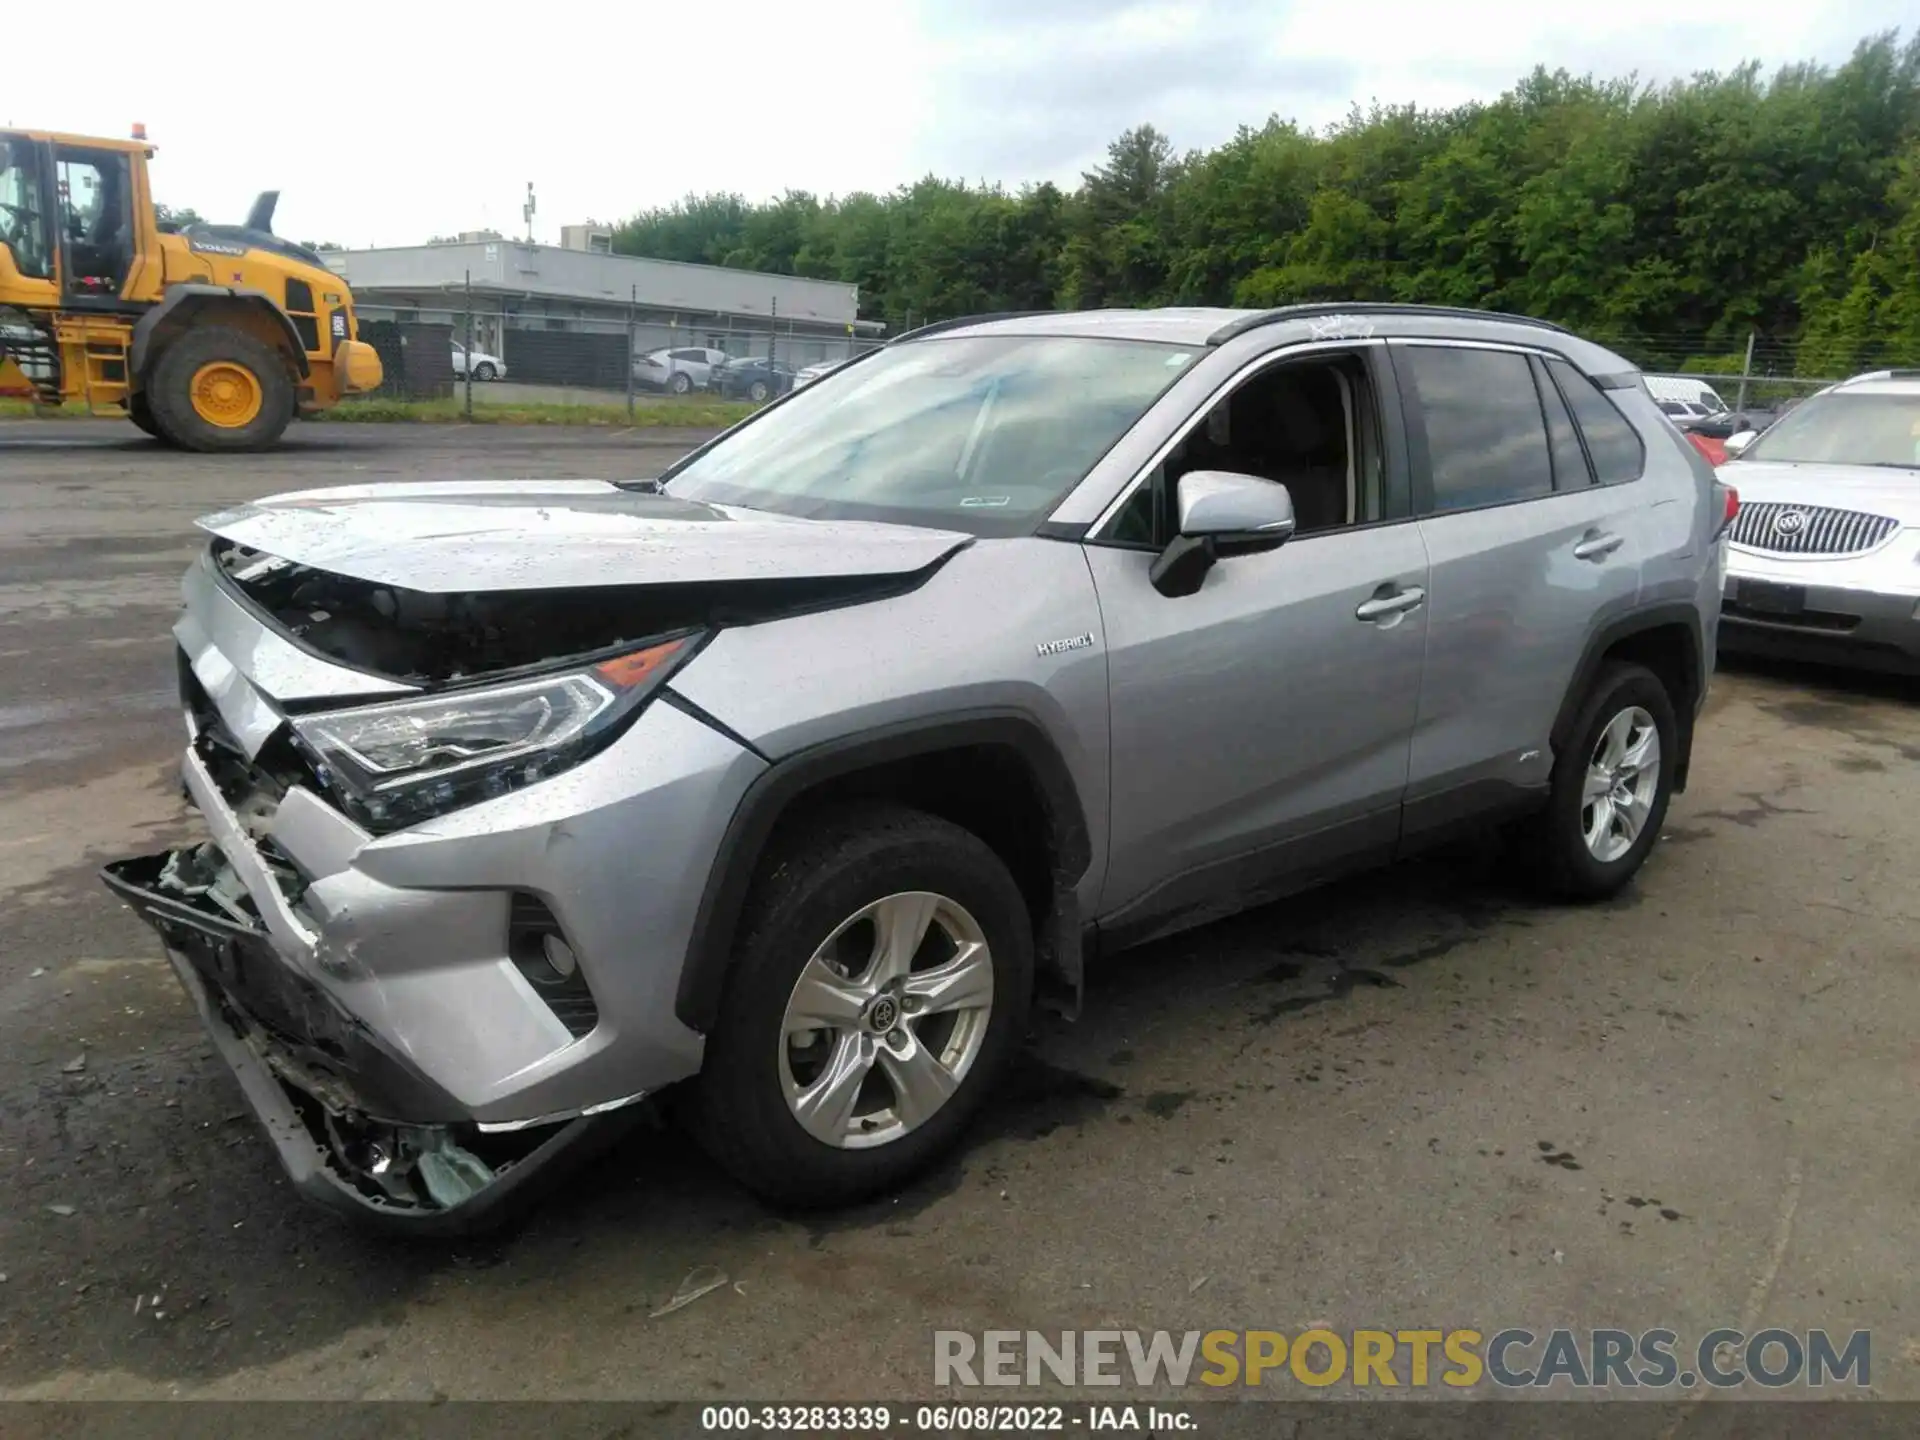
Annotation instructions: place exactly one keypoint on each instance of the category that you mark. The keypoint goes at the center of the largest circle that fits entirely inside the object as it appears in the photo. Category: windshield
(982, 434)
(1846, 429)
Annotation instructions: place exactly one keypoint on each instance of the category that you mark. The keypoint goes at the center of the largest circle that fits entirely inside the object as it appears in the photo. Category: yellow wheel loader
(211, 337)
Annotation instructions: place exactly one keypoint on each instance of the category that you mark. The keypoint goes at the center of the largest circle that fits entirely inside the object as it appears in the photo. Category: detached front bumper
(1772, 612)
(331, 1097)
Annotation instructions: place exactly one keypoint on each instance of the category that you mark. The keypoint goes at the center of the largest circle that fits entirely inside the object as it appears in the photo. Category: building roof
(513, 267)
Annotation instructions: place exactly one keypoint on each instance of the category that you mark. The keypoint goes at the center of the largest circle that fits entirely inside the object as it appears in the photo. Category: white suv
(680, 370)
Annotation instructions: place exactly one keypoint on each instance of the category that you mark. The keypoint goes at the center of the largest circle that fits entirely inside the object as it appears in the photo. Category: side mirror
(1737, 444)
(1221, 514)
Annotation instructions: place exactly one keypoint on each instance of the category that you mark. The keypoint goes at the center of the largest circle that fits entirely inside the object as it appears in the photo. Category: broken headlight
(403, 761)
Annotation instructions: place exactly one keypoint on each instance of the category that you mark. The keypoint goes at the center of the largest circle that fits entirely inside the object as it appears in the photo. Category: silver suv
(795, 773)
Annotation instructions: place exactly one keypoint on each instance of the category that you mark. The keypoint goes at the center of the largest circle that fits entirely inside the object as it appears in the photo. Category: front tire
(881, 985)
(141, 414)
(1610, 787)
(218, 389)
(483, 372)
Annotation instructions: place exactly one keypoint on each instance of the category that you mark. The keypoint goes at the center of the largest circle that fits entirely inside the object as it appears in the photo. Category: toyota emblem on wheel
(1789, 522)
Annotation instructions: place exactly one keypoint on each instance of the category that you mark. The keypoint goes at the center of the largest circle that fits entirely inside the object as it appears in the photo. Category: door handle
(1396, 602)
(1597, 545)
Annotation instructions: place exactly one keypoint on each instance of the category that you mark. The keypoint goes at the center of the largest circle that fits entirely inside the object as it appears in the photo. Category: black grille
(530, 925)
(1783, 529)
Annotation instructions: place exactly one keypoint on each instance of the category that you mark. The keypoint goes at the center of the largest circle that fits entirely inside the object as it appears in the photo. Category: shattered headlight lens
(403, 761)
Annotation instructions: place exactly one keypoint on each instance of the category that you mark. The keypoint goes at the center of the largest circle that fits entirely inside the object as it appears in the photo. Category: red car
(1714, 450)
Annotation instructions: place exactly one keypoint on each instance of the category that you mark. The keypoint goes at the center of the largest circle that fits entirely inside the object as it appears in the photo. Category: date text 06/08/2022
(946, 1419)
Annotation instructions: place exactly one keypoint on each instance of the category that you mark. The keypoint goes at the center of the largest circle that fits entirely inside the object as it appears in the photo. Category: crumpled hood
(456, 536)
(1873, 489)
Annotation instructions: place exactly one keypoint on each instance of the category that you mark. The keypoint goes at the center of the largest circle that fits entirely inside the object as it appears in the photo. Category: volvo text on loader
(211, 338)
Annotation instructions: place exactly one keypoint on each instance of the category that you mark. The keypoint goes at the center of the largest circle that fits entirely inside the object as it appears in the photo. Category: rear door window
(1486, 439)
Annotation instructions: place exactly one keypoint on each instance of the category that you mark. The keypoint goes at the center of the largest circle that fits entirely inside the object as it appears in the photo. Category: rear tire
(219, 389)
(859, 874)
(1608, 798)
(759, 391)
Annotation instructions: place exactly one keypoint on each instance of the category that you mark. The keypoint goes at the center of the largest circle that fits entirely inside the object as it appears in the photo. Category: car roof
(1880, 382)
(1288, 324)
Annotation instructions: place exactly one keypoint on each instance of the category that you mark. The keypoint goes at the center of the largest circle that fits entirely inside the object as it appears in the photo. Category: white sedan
(485, 366)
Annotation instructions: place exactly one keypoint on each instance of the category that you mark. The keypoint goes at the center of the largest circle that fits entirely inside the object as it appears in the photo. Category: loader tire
(141, 414)
(219, 389)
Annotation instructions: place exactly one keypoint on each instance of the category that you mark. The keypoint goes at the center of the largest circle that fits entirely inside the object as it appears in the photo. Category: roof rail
(1367, 307)
(954, 324)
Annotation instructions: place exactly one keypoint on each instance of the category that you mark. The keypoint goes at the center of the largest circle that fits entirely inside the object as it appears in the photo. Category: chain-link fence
(1759, 370)
(429, 350)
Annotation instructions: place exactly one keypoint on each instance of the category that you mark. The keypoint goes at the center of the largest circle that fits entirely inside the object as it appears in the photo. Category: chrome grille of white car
(1785, 529)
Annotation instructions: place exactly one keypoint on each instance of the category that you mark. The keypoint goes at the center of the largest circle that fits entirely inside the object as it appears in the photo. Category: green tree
(1674, 221)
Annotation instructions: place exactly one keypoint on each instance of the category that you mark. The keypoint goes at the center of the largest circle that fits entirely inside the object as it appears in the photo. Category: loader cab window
(23, 221)
(96, 219)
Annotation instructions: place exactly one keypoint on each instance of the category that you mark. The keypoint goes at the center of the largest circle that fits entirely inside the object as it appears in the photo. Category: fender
(177, 295)
(710, 951)
(1625, 627)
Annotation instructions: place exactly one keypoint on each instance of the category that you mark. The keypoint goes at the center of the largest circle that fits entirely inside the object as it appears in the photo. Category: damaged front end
(457, 817)
(334, 1101)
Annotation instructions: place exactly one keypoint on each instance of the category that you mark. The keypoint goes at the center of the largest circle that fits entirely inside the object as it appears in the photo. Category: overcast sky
(387, 123)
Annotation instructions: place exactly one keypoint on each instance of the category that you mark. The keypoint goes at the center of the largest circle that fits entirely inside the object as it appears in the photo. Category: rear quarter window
(1614, 446)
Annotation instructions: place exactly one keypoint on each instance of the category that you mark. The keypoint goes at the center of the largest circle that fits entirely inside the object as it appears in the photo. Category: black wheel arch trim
(178, 295)
(1625, 627)
(710, 950)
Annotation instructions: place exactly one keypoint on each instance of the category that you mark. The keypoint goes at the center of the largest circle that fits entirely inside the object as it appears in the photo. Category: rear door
(1528, 554)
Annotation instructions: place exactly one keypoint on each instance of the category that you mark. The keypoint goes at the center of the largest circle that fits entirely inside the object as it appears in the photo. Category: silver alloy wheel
(886, 1019)
(1623, 777)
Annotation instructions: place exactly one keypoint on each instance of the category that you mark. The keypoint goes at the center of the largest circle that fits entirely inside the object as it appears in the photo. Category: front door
(27, 272)
(1261, 726)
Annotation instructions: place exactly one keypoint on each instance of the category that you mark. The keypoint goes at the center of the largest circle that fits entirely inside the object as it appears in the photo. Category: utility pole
(1746, 369)
(773, 331)
(469, 344)
(632, 299)
(526, 212)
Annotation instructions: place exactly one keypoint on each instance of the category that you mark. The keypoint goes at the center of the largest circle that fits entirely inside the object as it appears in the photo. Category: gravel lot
(1339, 1109)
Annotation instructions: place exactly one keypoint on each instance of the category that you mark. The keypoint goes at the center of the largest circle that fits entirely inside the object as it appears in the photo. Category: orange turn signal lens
(626, 671)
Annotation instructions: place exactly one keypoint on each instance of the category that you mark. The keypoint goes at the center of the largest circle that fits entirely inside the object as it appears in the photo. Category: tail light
(1730, 509)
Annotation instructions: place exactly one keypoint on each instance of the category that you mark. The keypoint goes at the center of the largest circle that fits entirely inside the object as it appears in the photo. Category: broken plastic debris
(61, 1210)
(75, 1065)
(36, 974)
(453, 1175)
(1194, 1288)
(702, 1280)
